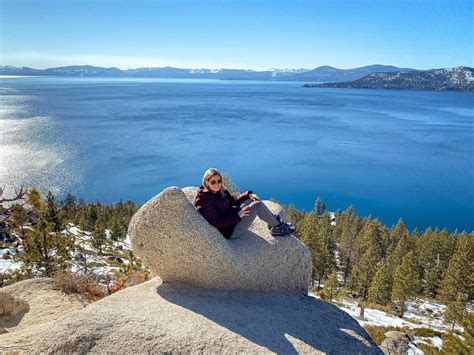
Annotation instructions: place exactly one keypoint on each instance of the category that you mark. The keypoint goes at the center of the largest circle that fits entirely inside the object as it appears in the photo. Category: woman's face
(214, 183)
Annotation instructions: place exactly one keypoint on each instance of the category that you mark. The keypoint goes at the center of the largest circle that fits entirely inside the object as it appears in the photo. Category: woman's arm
(240, 198)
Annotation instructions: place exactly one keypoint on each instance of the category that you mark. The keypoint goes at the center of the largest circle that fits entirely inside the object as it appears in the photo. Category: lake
(388, 153)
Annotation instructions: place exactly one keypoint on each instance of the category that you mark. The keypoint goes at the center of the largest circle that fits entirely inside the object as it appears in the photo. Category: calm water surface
(389, 153)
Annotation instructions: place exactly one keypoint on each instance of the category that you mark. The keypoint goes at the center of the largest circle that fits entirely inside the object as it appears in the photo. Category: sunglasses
(213, 182)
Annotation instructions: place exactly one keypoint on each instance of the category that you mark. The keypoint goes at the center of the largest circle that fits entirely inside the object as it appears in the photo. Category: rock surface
(178, 318)
(26, 307)
(396, 343)
(179, 245)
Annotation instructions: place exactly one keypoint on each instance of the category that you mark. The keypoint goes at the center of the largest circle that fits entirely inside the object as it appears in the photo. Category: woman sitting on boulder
(232, 216)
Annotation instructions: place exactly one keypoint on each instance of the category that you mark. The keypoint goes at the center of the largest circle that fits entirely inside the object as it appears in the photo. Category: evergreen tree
(368, 237)
(362, 275)
(294, 216)
(229, 185)
(331, 285)
(319, 207)
(432, 280)
(455, 311)
(406, 283)
(34, 200)
(398, 237)
(51, 213)
(118, 231)
(454, 345)
(380, 290)
(19, 217)
(345, 233)
(316, 235)
(99, 238)
(68, 208)
(46, 251)
(459, 276)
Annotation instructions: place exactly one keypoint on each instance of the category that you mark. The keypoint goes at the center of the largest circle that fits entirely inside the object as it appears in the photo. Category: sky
(252, 34)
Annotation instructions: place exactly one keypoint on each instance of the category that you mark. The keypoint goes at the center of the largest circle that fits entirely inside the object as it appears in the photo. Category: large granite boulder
(219, 296)
(179, 245)
(155, 317)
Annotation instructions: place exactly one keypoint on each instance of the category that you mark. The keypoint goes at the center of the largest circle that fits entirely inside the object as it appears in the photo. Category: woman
(232, 216)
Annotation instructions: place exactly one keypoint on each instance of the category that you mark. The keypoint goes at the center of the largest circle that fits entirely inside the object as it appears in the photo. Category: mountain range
(320, 74)
(447, 79)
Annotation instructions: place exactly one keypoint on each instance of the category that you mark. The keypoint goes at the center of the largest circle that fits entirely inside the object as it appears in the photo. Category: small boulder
(396, 343)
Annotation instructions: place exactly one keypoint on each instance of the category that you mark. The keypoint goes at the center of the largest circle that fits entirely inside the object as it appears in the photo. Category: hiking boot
(282, 229)
(278, 218)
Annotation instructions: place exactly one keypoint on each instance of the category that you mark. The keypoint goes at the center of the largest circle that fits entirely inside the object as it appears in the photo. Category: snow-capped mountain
(321, 74)
(458, 78)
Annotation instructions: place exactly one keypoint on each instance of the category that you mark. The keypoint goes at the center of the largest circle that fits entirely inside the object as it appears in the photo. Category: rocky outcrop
(220, 296)
(27, 307)
(179, 245)
(178, 318)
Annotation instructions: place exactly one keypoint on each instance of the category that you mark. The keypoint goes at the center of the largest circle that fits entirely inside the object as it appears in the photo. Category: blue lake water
(391, 154)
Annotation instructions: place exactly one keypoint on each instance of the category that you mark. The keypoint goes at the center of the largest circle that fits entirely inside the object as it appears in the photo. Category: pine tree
(118, 231)
(368, 237)
(34, 199)
(454, 345)
(331, 285)
(51, 213)
(69, 208)
(432, 280)
(362, 275)
(316, 235)
(229, 185)
(459, 276)
(294, 216)
(345, 233)
(455, 311)
(99, 237)
(399, 242)
(319, 207)
(46, 251)
(19, 217)
(406, 283)
(380, 290)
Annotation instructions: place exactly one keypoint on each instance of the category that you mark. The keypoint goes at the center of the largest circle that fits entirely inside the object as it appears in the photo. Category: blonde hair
(209, 173)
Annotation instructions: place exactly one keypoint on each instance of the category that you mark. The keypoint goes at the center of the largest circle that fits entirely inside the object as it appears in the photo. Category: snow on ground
(9, 265)
(416, 315)
(437, 342)
(419, 314)
(84, 240)
(373, 316)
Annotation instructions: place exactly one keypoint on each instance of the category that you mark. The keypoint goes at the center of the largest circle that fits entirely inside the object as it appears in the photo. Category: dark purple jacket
(222, 211)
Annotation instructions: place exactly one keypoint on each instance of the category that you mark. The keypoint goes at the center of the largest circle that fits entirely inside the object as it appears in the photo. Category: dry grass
(378, 333)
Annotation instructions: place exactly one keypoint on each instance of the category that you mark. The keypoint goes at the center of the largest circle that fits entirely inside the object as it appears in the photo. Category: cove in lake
(390, 153)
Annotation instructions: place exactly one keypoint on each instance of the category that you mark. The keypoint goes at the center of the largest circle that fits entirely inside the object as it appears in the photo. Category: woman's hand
(244, 212)
(254, 197)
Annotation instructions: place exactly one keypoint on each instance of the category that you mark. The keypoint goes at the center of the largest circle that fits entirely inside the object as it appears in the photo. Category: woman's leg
(257, 208)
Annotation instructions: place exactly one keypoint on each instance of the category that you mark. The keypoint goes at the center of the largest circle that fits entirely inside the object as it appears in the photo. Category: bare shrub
(81, 284)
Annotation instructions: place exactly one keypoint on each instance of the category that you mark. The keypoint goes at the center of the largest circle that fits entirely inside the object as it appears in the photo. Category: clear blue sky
(237, 34)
